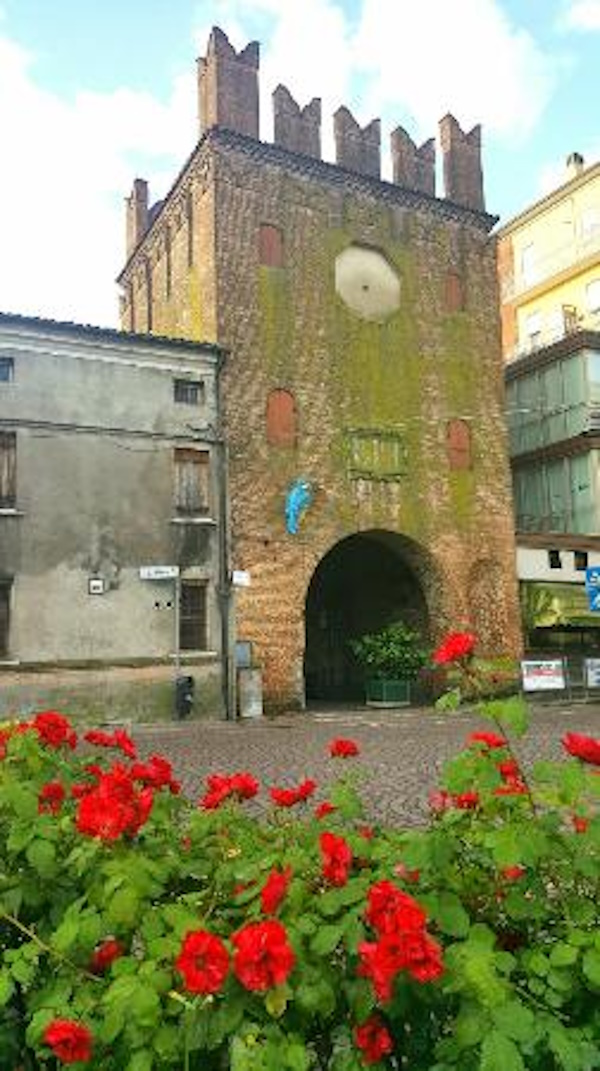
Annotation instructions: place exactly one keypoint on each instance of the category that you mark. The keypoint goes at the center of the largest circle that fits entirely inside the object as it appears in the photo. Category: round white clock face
(367, 283)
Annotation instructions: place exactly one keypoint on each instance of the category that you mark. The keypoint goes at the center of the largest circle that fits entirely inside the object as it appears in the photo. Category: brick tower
(364, 402)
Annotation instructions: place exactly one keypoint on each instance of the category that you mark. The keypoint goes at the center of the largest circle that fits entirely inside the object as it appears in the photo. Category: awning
(546, 605)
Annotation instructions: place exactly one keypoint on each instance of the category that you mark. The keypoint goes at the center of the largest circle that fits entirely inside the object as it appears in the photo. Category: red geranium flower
(54, 729)
(324, 808)
(242, 786)
(490, 740)
(373, 1039)
(456, 647)
(580, 824)
(306, 788)
(513, 786)
(413, 951)
(114, 806)
(405, 873)
(343, 749)
(390, 909)
(337, 858)
(203, 962)
(105, 954)
(586, 748)
(70, 1042)
(513, 873)
(51, 798)
(466, 801)
(509, 769)
(263, 957)
(274, 890)
(284, 797)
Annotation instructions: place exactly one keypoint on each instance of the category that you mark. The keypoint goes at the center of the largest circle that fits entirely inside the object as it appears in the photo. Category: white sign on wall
(544, 675)
(592, 672)
(159, 572)
(240, 578)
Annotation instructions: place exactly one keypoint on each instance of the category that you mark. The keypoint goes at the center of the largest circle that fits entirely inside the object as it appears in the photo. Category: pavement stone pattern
(402, 751)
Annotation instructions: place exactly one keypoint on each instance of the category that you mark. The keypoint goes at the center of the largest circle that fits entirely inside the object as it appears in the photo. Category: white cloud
(67, 166)
(582, 15)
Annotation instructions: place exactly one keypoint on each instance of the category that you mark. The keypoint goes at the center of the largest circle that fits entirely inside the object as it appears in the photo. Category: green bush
(140, 931)
(394, 652)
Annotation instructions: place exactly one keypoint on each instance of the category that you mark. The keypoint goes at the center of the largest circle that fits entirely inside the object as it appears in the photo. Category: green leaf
(591, 966)
(499, 1053)
(41, 854)
(515, 1020)
(66, 935)
(142, 1060)
(6, 987)
(451, 915)
(326, 939)
(276, 1001)
(123, 908)
(449, 702)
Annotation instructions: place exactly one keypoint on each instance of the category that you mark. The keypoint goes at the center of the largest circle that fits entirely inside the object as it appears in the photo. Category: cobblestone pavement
(402, 750)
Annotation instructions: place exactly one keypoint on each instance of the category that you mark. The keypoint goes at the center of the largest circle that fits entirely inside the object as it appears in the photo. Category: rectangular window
(192, 617)
(580, 560)
(7, 369)
(5, 586)
(8, 469)
(192, 482)
(554, 559)
(188, 391)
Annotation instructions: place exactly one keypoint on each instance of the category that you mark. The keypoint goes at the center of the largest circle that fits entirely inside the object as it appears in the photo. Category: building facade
(549, 267)
(111, 469)
(364, 404)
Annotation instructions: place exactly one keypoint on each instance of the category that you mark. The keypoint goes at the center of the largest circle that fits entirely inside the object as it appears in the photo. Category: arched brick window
(282, 418)
(270, 246)
(458, 445)
(454, 297)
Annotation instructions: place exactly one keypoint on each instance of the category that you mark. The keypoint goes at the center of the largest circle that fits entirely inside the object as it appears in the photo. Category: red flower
(337, 858)
(414, 951)
(580, 824)
(119, 739)
(105, 954)
(114, 806)
(284, 797)
(70, 1041)
(390, 910)
(405, 873)
(343, 749)
(373, 1039)
(509, 769)
(513, 786)
(203, 962)
(51, 798)
(490, 740)
(513, 873)
(221, 786)
(306, 788)
(54, 729)
(274, 890)
(466, 801)
(456, 647)
(586, 748)
(156, 772)
(324, 808)
(263, 957)
(243, 785)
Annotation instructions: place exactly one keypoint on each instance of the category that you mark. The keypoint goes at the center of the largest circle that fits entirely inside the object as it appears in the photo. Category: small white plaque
(544, 675)
(159, 572)
(96, 585)
(240, 578)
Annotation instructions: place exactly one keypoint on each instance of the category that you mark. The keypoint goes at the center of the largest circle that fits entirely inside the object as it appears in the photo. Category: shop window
(192, 482)
(270, 246)
(5, 587)
(193, 616)
(554, 560)
(580, 560)
(454, 299)
(8, 469)
(281, 418)
(188, 391)
(458, 445)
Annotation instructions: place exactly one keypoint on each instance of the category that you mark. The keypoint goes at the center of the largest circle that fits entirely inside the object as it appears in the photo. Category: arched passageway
(364, 582)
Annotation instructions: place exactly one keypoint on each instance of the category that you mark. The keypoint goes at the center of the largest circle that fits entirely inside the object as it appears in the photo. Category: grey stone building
(112, 479)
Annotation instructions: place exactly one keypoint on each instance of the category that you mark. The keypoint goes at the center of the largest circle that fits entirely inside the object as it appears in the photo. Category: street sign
(592, 587)
(543, 675)
(240, 578)
(159, 572)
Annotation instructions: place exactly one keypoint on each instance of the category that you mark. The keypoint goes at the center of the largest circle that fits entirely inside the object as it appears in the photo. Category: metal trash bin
(184, 696)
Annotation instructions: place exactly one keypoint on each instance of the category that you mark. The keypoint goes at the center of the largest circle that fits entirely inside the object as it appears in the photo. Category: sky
(93, 94)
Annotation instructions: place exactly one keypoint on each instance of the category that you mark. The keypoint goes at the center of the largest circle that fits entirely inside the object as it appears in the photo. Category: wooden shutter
(454, 299)
(281, 418)
(192, 481)
(8, 468)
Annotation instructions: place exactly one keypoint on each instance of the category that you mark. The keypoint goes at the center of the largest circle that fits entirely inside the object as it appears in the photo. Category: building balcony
(573, 322)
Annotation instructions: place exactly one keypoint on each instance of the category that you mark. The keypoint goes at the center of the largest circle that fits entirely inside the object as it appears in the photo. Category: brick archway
(363, 582)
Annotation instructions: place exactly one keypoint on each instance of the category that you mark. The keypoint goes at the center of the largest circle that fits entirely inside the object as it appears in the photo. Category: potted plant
(391, 658)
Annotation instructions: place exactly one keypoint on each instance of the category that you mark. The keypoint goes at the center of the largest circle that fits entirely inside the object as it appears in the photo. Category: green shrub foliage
(143, 931)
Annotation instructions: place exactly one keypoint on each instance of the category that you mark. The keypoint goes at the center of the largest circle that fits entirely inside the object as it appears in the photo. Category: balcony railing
(573, 323)
(553, 263)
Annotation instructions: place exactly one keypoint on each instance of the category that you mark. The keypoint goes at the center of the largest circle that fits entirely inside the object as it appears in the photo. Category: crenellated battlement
(228, 90)
(295, 128)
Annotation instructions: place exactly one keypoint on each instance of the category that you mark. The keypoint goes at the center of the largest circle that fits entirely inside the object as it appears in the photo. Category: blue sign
(592, 587)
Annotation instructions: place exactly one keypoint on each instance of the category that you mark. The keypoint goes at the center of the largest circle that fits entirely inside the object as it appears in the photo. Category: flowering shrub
(143, 932)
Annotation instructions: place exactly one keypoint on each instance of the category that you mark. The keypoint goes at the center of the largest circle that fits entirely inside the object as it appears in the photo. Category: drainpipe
(224, 588)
